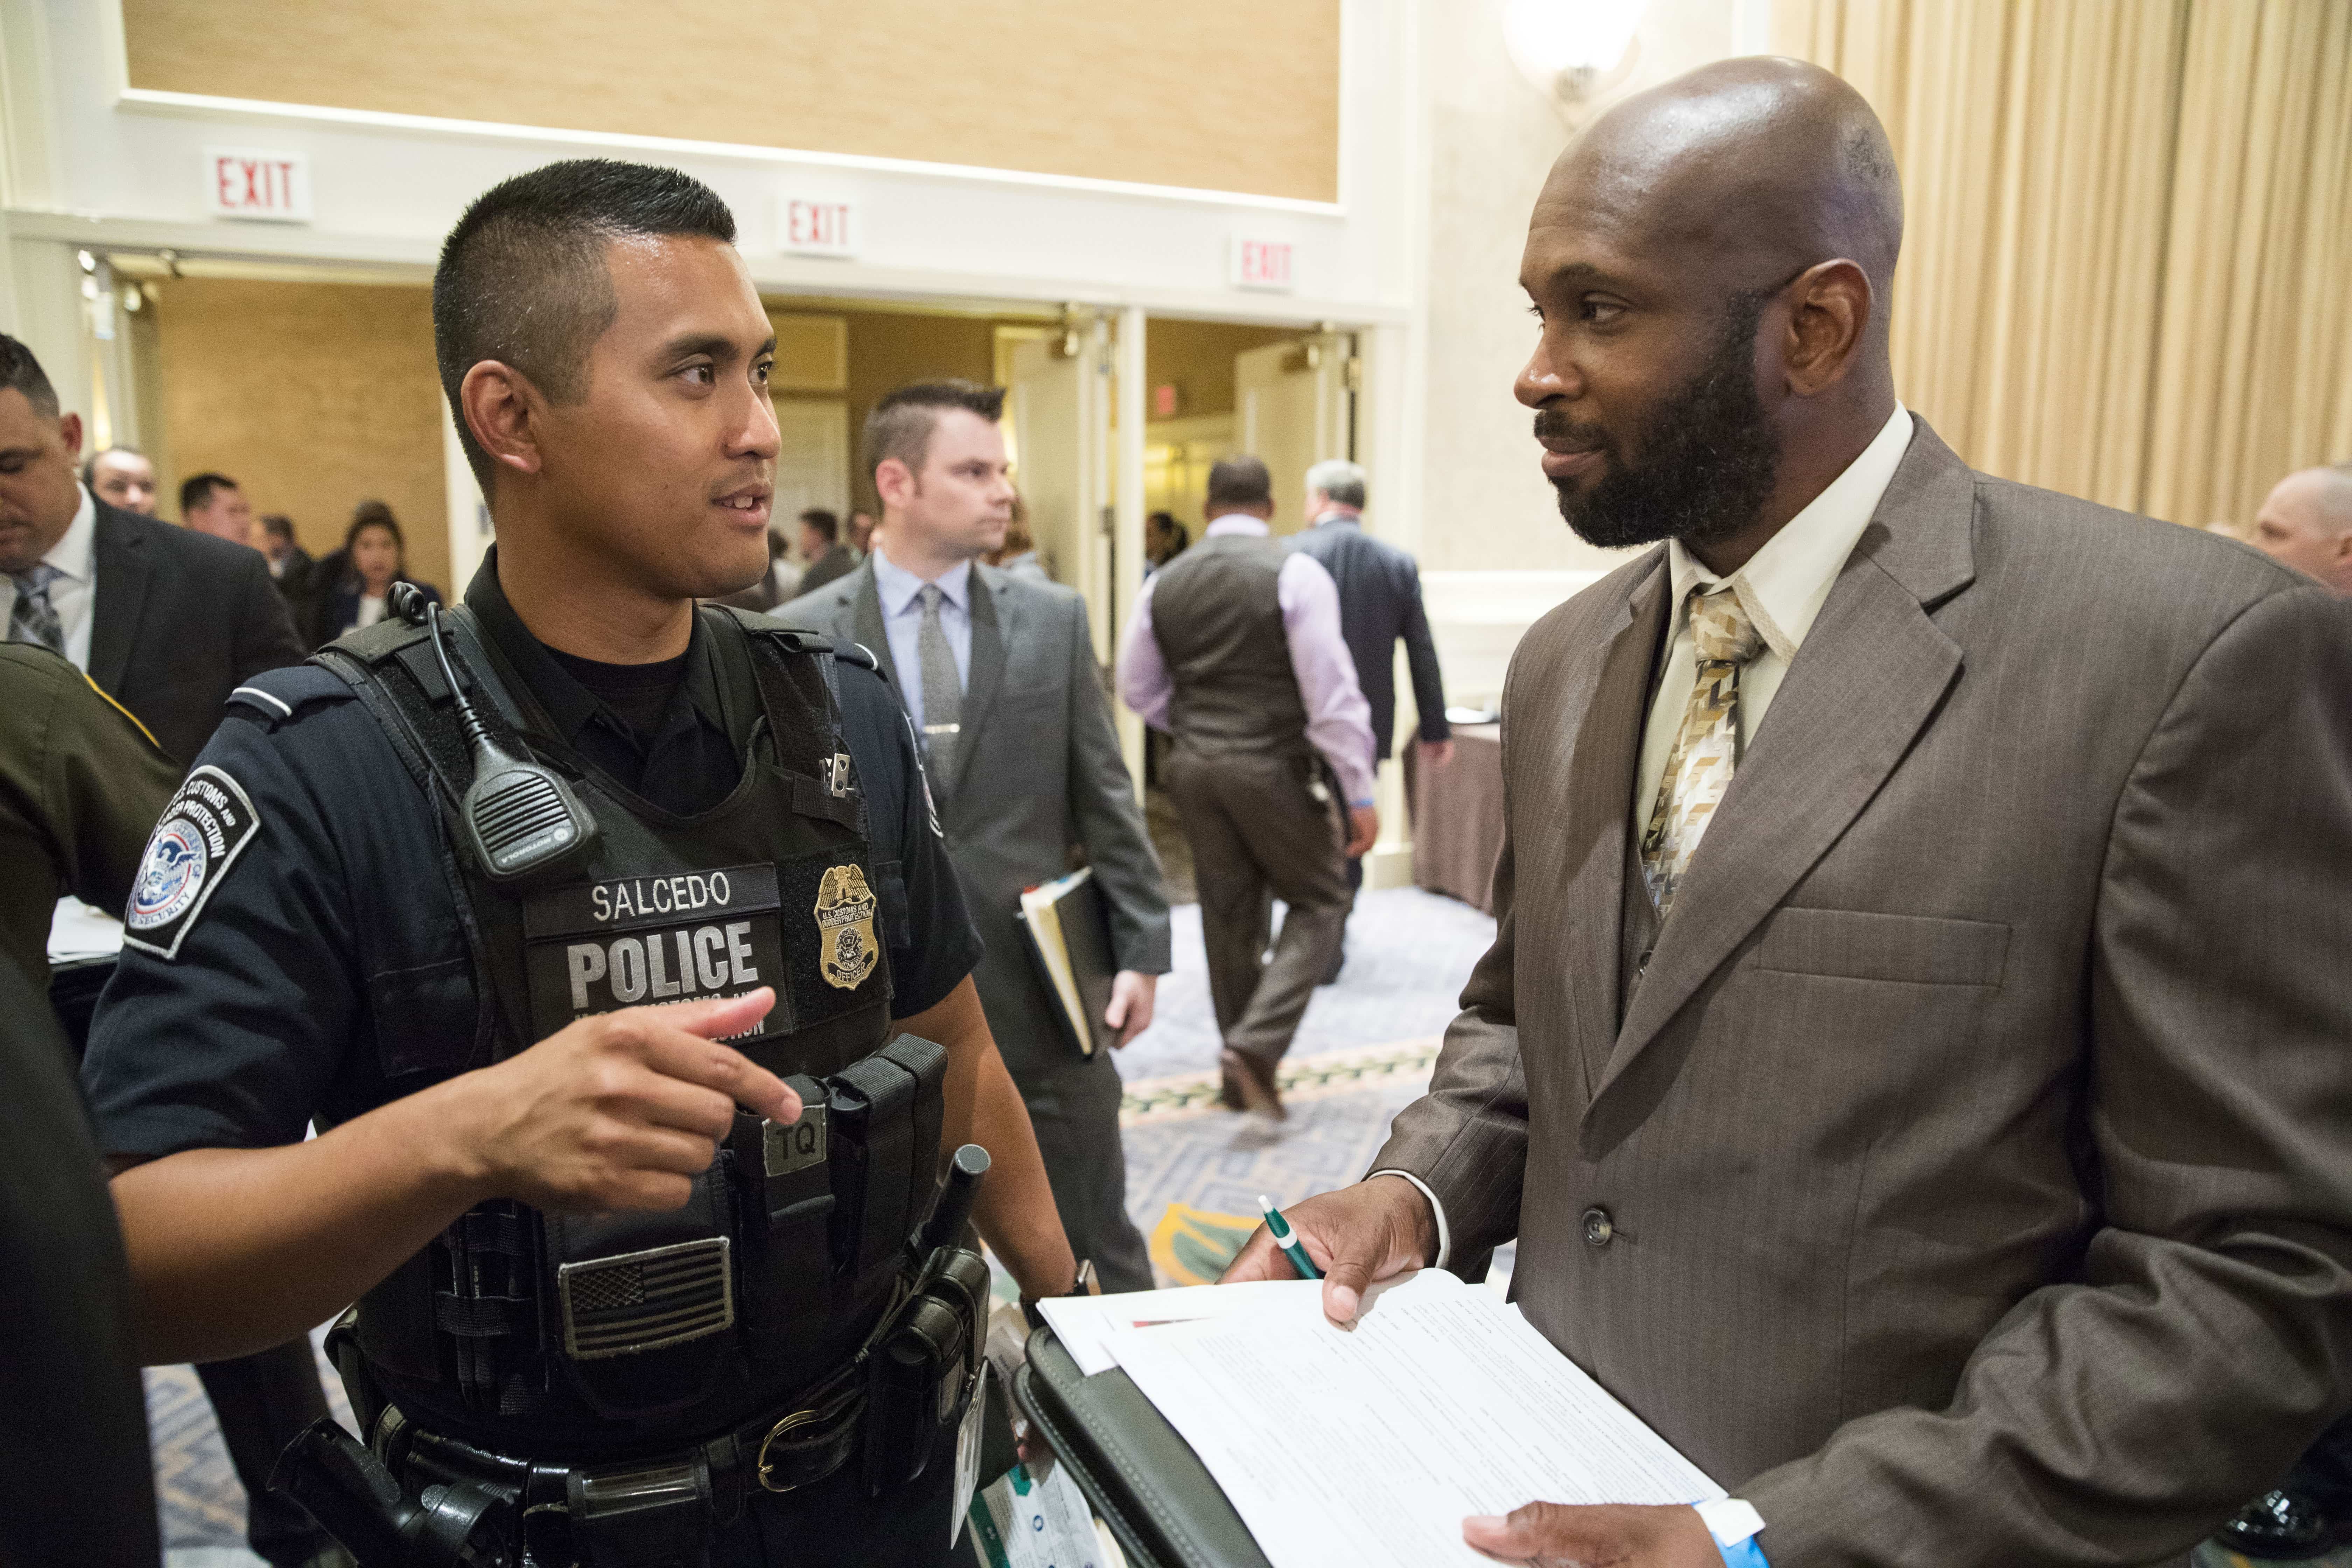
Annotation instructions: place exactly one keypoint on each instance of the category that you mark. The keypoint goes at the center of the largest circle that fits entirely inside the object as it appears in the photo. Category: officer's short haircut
(900, 425)
(823, 521)
(196, 492)
(277, 525)
(20, 372)
(522, 279)
(1238, 481)
(1340, 480)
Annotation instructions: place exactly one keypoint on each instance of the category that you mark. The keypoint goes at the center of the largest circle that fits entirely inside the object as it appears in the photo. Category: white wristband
(1729, 1519)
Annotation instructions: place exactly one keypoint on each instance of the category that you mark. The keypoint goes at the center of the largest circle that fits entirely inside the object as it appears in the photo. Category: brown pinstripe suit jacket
(1978, 1145)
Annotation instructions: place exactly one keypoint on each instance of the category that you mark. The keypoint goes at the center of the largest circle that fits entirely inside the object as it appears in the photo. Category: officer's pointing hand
(622, 1111)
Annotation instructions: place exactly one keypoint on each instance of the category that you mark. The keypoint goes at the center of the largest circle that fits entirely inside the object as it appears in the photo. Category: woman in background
(374, 558)
(1017, 556)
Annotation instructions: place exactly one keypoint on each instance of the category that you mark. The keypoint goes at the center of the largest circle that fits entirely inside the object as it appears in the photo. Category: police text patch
(202, 830)
(618, 942)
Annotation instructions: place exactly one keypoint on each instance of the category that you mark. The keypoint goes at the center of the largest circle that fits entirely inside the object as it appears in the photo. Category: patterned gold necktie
(1707, 748)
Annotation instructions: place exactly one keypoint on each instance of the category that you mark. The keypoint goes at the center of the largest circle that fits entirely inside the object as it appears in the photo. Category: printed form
(1369, 1446)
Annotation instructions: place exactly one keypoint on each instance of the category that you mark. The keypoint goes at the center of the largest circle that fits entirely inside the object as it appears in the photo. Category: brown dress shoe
(1255, 1081)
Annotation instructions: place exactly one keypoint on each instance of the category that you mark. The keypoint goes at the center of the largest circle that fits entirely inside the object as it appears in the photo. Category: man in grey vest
(1235, 650)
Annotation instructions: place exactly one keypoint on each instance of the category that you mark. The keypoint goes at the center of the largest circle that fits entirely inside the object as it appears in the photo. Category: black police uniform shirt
(323, 971)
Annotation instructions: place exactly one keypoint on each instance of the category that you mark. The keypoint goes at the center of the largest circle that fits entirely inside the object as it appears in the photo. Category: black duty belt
(680, 1493)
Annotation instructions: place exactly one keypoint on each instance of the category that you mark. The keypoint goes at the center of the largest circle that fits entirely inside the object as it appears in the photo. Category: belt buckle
(792, 1423)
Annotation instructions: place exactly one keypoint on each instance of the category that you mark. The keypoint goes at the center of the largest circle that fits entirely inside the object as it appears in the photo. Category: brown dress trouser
(1255, 829)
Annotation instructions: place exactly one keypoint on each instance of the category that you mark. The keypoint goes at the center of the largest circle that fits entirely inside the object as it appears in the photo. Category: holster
(921, 1371)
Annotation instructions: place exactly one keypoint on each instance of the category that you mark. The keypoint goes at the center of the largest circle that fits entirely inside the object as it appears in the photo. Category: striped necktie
(33, 619)
(942, 692)
(1707, 748)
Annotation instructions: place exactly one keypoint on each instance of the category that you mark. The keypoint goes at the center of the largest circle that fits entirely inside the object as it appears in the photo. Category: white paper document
(78, 931)
(1084, 1323)
(1369, 1446)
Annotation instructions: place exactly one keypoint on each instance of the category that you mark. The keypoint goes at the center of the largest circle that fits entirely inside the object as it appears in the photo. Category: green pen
(1288, 1239)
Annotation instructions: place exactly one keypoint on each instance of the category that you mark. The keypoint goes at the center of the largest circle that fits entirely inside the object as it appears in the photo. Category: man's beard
(1705, 460)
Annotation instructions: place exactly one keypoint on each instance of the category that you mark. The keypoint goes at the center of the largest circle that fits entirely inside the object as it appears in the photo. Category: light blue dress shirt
(901, 592)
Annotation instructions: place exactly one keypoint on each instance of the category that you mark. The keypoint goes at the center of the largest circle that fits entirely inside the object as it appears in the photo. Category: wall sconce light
(1573, 51)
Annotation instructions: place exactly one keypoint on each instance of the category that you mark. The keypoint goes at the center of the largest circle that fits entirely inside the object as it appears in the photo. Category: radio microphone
(519, 817)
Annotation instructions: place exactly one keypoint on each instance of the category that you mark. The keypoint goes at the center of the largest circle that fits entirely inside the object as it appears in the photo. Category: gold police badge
(846, 951)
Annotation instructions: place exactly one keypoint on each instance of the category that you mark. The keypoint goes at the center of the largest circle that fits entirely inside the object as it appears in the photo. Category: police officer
(73, 1422)
(619, 1283)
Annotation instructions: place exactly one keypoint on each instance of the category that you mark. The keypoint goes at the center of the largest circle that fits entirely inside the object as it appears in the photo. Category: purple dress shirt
(1339, 719)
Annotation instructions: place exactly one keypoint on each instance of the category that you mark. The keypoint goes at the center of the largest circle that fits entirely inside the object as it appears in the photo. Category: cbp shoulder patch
(203, 831)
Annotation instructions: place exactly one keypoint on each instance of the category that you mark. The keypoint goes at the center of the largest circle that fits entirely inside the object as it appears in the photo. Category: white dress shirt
(901, 592)
(73, 594)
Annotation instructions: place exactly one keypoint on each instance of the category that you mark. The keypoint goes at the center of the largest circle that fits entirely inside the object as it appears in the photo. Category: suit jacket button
(1597, 1227)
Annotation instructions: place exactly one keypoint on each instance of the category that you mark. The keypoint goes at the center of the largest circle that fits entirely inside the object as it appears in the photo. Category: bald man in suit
(1912, 1056)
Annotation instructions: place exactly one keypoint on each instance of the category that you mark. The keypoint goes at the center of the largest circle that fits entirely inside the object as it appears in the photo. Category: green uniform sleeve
(104, 782)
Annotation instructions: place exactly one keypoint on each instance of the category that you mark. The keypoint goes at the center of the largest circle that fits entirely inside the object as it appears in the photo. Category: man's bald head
(1758, 167)
(1713, 260)
(2305, 522)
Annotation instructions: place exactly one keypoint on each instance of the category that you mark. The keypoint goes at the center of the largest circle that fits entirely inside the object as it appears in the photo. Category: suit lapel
(1870, 675)
(865, 604)
(118, 554)
(1596, 775)
(992, 632)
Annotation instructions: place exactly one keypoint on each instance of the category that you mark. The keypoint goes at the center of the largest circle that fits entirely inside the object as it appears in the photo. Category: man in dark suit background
(167, 621)
(124, 478)
(289, 564)
(1911, 1058)
(829, 560)
(1379, 602)
(999, 676)
(216, 504)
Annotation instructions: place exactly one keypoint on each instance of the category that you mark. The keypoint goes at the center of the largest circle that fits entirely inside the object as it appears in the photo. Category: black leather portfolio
(1066, 926)
(1143, 1479)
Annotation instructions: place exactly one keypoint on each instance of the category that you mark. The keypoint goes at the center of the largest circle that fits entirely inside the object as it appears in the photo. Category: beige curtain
(2127, 265)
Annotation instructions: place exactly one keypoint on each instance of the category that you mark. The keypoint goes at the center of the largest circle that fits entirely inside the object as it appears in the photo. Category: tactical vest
(1216, 613)
(578, 1337)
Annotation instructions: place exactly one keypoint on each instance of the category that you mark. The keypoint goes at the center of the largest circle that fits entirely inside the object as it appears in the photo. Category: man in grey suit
(1924, 1100)
(999, 677)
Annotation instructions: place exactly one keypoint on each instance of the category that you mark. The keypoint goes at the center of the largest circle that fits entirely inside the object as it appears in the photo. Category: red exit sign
(816, 226)
(248, 183)
(1262, 264)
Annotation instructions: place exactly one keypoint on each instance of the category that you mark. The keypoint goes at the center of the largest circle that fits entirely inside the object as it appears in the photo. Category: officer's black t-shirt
(642, 698)
(314, 964)
(658, 728)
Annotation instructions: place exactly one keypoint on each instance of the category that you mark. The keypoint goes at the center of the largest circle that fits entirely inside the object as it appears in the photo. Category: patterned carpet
(1194, 1170)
